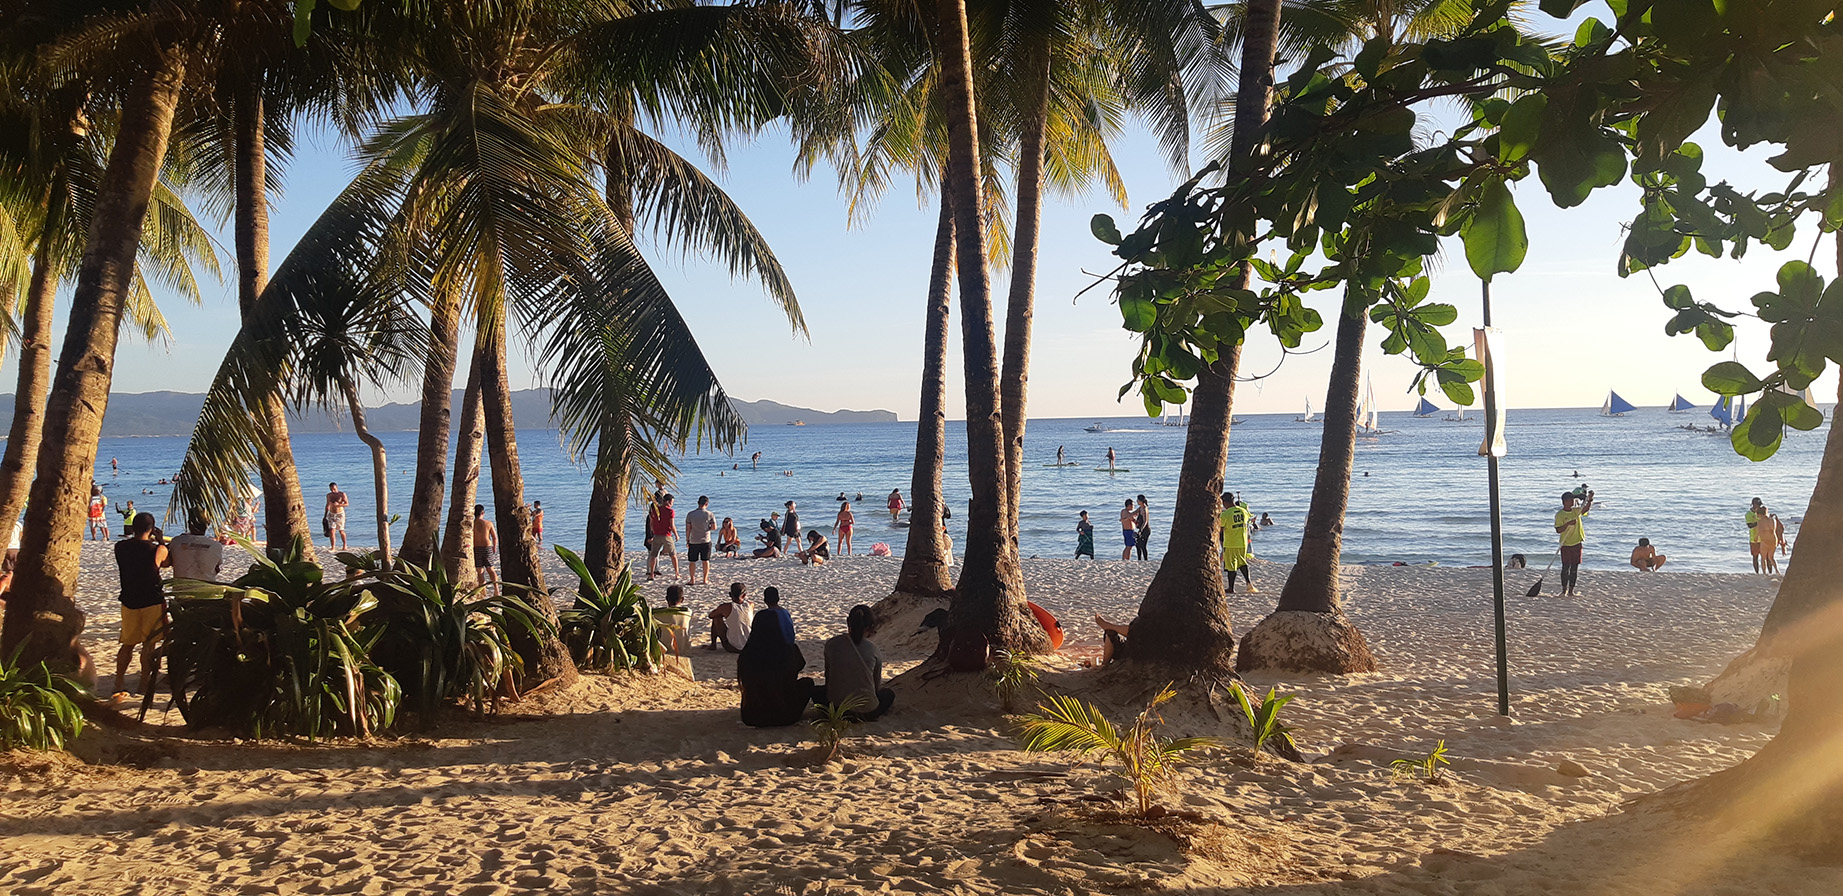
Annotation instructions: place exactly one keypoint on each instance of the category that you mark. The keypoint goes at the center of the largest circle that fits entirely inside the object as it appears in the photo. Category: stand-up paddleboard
(1112, 470)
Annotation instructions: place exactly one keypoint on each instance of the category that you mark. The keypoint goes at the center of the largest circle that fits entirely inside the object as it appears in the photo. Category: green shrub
(38, 707)
(443, 643)
(274, 653)
(835, 719)
(1264, 719)
(608, 629)
(1427, 766)
(1011, 677)
(1065, 724)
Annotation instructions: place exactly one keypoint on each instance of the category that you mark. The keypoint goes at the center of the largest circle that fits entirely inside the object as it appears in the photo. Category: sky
(1572, 328)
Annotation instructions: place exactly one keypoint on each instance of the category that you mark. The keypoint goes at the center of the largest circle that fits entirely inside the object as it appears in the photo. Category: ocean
(1418, 494)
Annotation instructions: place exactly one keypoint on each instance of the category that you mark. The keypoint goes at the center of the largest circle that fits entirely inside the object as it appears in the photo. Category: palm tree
(46, 621)
(1184, 619)
(1308, 630)
(990, 594)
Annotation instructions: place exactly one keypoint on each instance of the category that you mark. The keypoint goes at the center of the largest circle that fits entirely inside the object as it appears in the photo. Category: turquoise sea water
(1422, 500)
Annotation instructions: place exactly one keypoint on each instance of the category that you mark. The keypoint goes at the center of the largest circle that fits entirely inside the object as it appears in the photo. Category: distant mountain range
(174, 413)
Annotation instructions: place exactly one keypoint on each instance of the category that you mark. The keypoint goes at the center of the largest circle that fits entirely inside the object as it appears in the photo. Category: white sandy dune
(650, 785)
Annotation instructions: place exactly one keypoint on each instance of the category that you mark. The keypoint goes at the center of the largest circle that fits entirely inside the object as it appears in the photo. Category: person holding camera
(138, 558)
(1570, 524)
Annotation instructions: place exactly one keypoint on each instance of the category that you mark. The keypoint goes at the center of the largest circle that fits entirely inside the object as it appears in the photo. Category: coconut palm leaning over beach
(1308, 630)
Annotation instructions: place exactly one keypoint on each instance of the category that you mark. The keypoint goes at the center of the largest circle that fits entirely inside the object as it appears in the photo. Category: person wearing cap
(1570, 525)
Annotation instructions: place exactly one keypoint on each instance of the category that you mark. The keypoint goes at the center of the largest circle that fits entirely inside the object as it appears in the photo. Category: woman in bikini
(842, 525)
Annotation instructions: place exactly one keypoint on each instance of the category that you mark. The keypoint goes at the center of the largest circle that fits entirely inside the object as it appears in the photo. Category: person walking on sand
(699, 523)
(99, 515)
(334, 521)
(661, 536)
(1084, 537)
(1142, 527)
(1128, 531)
(842, 526)
(138, 559)
(1646, 557)
(1570, 524)
(1232, 523)
(537, 522)
(486, 541)
(790, 527)
(895, 504)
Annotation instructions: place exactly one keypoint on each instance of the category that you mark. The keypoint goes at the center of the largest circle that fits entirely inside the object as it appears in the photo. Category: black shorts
(1571, 554)
(696, 552)
(483, 558)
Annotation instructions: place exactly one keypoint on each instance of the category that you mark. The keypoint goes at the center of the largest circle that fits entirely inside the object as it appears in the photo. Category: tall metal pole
(1497, 521)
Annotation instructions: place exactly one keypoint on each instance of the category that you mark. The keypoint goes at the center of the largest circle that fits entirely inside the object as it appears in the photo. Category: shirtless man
(1646, 557)
(334, 522)
(486, 541)
(1128, 531)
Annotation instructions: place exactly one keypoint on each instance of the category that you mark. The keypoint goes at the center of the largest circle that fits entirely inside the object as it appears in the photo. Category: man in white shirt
(699, 524)
(196, 555)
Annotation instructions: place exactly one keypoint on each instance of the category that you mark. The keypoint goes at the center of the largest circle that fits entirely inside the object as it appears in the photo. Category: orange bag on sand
(1050, 625)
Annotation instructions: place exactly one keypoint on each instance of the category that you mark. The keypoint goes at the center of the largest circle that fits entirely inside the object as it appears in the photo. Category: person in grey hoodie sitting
(854, 670)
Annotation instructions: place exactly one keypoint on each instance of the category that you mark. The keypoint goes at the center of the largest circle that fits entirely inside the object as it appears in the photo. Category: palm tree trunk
(284, 507)
(41, 611)
(458, 541)
(924, 561)
(990, 596)
(1183, 621)
(1308, 632)
(35, 320)
(1021, 306)
(380, 479)
(422, 529)
(605, 544)
(545, 658)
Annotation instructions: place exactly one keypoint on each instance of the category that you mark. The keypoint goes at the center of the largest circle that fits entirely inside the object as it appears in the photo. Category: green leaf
(1802, 417)
(1495, 241)
(1731, 378)
(1457, 391)
(1522, 124)
(1758, 436)
(1139, 313)
(1104, 229)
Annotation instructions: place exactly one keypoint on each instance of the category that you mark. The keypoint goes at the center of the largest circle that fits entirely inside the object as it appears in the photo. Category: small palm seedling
(1428, 766)
(37, 709)
(1063, 724)
(1264, 720)
(835, 720)
(1011, 677)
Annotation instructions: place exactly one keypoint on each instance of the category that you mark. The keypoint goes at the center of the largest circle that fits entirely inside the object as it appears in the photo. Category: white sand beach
(650, 784)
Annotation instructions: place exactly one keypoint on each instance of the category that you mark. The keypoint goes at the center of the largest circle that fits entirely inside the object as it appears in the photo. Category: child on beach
(1084, 537)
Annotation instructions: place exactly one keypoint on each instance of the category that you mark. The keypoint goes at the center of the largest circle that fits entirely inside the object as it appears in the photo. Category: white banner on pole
(1488, 343)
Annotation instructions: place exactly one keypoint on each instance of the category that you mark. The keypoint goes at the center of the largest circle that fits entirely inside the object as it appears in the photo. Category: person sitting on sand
(1113, 637)
(817, 551)
(729, 541)
(768, 670)
(673, 621)
(854, 670)
(730, 621)
(196, 555)
(1646, 557)
(770, 537)
(1517, 561)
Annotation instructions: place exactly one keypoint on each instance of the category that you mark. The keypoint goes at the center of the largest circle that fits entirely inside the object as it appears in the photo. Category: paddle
(1536, 589)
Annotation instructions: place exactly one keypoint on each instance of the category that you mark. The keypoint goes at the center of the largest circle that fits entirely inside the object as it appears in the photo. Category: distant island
(173, 413)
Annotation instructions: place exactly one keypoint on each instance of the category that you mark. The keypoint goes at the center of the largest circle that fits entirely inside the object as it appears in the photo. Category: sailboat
(1308, 418)
(1461, 417)
(1180, 421)
(1616, 406)
(1729, 410)
(1367, 423)
(1812, 401)
(1426, 409)
(1679, 403)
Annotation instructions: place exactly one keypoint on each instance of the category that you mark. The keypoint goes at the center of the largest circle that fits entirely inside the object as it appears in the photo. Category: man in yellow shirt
(1758, 541)
(1233, 523)
(1570, 524)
